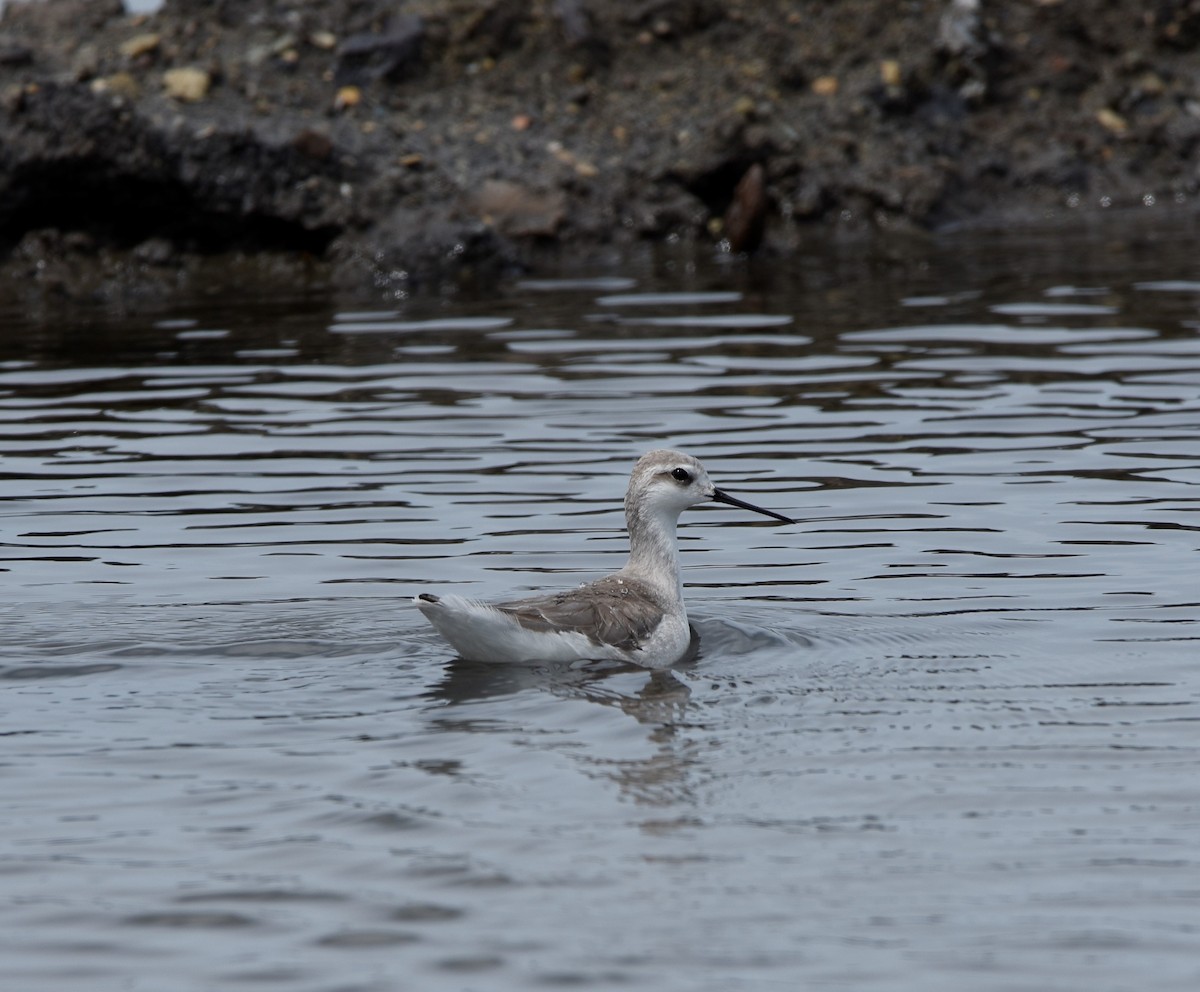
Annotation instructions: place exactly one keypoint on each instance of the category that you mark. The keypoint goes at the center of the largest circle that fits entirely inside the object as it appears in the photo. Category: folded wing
(615, 611)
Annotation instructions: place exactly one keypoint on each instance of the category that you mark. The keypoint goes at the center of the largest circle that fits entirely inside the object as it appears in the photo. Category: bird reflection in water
(660, 703)
(661, 698)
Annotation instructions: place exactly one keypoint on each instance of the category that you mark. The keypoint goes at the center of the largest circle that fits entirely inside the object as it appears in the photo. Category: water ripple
(954, 706)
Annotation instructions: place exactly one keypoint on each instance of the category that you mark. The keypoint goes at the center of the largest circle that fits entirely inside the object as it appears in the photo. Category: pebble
(583, 168)
(516, 210)
(347, 96)
(825, 85)
(314, 144)
(120, 84)
(745, 221)
(186, 84)
(141, 44)
(1112, 121)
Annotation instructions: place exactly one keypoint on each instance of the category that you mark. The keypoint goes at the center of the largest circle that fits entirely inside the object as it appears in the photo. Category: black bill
(722, 497)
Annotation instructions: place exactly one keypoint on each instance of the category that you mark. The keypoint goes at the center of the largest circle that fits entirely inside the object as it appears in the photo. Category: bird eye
(681, 475)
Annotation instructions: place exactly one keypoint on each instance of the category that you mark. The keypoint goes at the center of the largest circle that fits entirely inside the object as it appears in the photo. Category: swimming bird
(634, 615)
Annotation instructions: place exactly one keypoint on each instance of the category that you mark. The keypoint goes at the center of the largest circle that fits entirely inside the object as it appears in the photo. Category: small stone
(825, 85)
(324, 40)
(155, 251)
(1112, 121)
(141, 44)
(522, 122)
(314, 144)
(347, 97)
(518, 211)
(186, 84)
(411, 161)
(257, 55)
(745, 221)
(1151, 84)
(120, 84)
(283, 43)
(889, 72)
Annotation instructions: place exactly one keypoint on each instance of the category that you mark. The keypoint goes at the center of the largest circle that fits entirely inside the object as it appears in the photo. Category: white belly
(478, 632)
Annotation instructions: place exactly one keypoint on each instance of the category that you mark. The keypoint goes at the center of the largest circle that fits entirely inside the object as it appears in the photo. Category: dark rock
(13, 53)
(517, 211)
(155, 251)
(577, 24)
(391, 54)
(314, 144)
(746, 219)
(496, 28)
(579, 30)
(79, 162)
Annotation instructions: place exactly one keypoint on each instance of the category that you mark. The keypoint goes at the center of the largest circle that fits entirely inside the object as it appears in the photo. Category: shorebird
(635, 615)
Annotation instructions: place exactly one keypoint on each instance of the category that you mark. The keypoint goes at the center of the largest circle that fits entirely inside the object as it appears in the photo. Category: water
(941, 735)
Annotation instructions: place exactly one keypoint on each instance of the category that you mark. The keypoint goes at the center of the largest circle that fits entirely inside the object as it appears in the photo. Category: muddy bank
(378, 143)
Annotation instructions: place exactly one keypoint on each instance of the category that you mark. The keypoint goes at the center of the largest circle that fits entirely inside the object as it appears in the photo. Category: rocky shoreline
(383, 144)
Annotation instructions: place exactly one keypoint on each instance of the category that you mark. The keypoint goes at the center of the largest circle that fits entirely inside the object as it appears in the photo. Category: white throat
(654, 548)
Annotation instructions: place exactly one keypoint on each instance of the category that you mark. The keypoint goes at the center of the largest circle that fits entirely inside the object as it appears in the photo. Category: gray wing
(620, 612)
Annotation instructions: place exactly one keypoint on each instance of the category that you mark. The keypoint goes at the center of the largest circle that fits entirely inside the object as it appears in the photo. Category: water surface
(941, 735)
